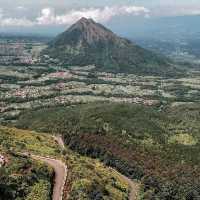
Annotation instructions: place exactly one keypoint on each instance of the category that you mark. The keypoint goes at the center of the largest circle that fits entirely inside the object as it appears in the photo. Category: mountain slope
(23, 178)
(87, 42)
(160, 148)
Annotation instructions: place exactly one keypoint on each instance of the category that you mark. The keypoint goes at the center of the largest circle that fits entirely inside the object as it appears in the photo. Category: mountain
(87, 42)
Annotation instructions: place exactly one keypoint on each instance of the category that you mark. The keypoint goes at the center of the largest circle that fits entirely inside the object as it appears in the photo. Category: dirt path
(134, 186)
(59, 140)
(60, 175)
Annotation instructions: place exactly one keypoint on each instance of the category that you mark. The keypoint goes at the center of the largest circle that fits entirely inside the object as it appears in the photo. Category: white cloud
(9, 21)
(20, 8)
(176, 11)
(1, 13)
(48, 15)
(187, 11)
(16, 22)
(24, 13)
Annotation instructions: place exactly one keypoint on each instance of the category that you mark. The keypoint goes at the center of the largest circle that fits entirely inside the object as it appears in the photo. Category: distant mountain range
(87, 42)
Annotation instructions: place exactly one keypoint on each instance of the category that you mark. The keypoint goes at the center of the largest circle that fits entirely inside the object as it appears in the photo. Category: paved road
(60, 170)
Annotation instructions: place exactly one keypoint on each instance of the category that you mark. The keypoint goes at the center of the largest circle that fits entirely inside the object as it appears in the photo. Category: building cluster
(16, 53)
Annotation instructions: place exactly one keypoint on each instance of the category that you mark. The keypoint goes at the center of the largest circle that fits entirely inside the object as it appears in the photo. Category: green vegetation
(184, 139)
(57, 86)
(20, 176)
(141, 142)
(89, 179)
(24, 179)
(158, 144)
(87, 42)
(25, 141)
(40, 191)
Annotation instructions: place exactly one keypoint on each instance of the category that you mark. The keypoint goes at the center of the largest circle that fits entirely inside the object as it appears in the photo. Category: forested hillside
(160, 148)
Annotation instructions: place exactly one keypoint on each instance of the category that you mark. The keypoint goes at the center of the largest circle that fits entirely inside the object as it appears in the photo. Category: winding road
(133, 185)
(134, 188)
(60, 170)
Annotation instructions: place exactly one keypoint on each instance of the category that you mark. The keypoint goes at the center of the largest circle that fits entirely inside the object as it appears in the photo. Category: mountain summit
(87, 31)
(87, 42)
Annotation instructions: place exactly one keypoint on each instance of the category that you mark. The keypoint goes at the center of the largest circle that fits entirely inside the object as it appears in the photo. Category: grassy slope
(160, 148)
(22, 177)
(86, 178)
(89, 179)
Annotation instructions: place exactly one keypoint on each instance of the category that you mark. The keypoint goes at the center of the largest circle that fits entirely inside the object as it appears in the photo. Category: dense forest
(159, 147)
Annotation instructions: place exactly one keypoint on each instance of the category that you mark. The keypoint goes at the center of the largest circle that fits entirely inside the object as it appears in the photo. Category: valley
(33, 87)
(91, 116)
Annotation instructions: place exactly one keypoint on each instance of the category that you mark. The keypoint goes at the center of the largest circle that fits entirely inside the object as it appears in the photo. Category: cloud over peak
(49, 17)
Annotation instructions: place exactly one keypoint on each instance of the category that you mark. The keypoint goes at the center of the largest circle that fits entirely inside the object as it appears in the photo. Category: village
(35, 87)
(31, 83)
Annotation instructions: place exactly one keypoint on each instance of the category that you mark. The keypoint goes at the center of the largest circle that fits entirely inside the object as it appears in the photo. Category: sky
(34, 14)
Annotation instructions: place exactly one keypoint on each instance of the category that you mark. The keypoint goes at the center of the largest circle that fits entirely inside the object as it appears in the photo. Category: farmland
(34, 86)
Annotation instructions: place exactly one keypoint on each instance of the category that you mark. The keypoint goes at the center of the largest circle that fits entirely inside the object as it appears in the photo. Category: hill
(157, 147)
(87, 42)
(25, 179)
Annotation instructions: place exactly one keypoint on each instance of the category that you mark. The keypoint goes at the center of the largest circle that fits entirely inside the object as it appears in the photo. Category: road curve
(60, 141)
(134, 186)
(60, 170)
